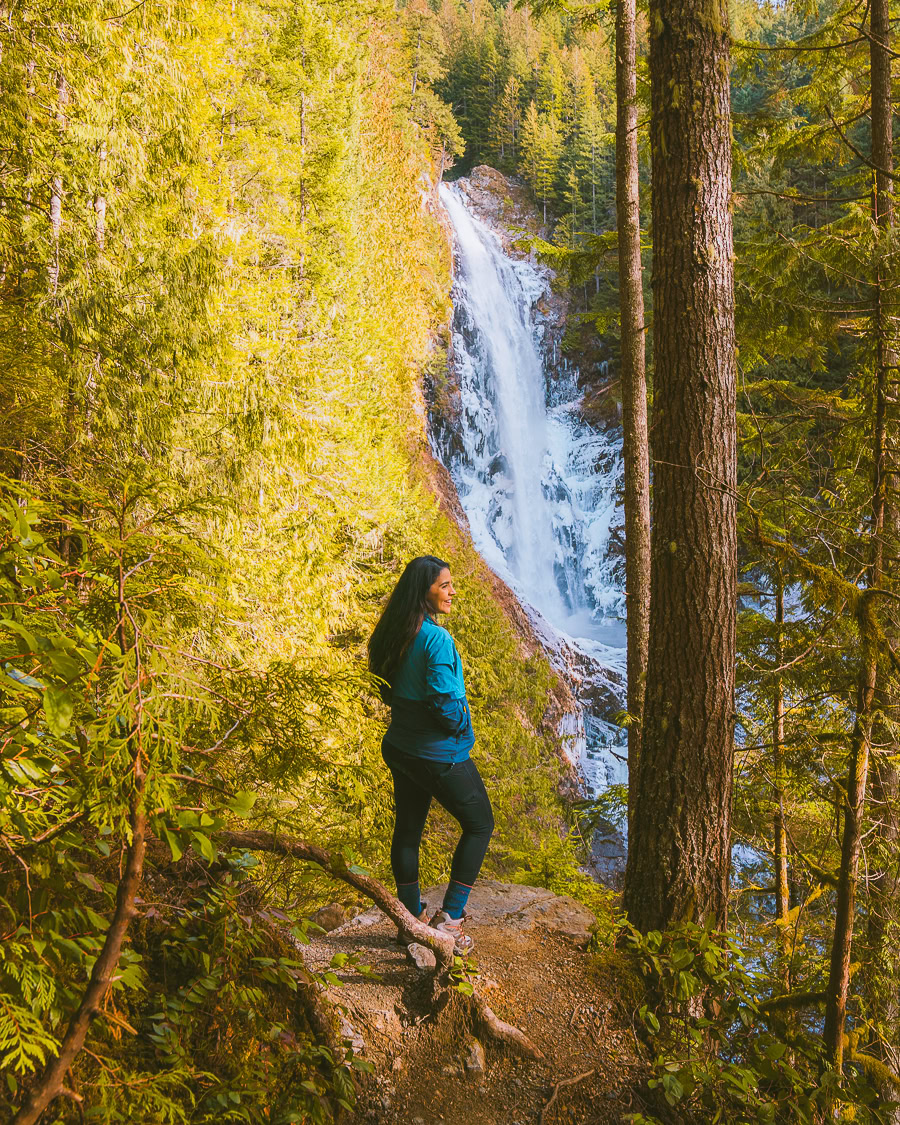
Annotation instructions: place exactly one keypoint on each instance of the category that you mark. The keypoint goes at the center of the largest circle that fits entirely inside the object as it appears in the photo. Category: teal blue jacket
(430, 715)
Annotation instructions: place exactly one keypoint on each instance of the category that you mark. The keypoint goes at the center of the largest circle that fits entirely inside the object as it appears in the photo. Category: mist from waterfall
(539, 485)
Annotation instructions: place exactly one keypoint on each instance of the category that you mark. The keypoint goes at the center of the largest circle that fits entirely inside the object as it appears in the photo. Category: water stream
(538, 483)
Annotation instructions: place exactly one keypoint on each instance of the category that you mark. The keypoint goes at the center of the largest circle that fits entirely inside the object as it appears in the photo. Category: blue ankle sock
(408, 893)
(456, 898)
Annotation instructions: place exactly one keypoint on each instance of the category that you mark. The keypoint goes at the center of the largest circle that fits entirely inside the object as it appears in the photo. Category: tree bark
(634, 381)
(882, 959)
(56, 186)
(100, 199)
(882, 965)
(678, 858)
(853, 803)
(782, 883)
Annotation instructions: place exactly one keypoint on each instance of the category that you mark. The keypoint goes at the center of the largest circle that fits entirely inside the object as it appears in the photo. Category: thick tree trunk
(634, 381)
(678, 858)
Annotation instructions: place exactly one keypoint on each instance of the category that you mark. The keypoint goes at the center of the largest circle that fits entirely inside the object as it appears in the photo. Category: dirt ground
(533, 973)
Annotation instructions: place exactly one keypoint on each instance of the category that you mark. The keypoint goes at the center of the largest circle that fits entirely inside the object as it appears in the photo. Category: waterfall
(539, 485)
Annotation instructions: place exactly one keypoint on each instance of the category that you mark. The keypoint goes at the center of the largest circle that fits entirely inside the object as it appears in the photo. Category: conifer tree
(679, 856)
(530, 146)
(506, 125)
(635, 450)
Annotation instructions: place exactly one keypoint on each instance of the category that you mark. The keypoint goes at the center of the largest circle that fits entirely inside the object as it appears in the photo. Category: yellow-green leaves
(59, 706)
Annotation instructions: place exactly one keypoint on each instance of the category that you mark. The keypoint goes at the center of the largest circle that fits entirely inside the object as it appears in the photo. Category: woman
(427, 745)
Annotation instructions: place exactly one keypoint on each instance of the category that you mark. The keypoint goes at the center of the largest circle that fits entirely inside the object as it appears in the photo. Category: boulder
(518, 907)
(330, 917)
(422, 957)
(475, 1064)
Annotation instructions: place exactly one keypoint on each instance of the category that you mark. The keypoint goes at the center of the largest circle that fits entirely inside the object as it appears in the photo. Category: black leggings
(459, 788)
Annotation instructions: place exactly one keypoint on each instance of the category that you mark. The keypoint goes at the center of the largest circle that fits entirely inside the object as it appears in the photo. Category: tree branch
(865, 159)
(51, 1084)
(792, 1000)
(442, 945)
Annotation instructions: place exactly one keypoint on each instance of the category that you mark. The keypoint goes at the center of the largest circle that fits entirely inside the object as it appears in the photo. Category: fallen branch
(496, 1028)
(51, 1084)
(441, 944)
(559, 1086)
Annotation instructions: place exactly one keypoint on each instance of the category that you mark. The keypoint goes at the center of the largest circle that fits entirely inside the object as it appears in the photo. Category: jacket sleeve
(442, 696)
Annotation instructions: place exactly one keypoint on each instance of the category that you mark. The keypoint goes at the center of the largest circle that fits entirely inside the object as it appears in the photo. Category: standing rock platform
(534, 971)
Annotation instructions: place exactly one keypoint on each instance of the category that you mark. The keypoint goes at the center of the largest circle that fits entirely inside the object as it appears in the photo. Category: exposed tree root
(493, 1027)
(442, 945)
(322, 1018)
(559, 1086)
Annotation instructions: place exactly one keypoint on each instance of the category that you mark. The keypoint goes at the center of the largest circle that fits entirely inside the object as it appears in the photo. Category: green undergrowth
(720, 1049)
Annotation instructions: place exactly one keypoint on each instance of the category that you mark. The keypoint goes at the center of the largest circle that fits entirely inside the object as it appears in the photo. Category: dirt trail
(534, 972)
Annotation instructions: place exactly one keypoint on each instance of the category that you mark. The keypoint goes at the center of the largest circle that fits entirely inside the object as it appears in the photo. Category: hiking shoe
(402, 937)
(464, 943)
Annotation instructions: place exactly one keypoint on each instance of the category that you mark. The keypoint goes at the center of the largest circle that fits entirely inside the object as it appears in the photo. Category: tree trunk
(882, 963)
(678, 859)
(634, 381)
(56, 187)
(51, 1084)
(854, 803)
(782, 885)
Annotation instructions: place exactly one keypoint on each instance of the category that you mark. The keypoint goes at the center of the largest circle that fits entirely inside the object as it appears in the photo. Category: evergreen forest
(225, 329)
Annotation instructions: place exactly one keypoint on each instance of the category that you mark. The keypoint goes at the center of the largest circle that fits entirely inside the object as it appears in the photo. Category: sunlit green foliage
(221, 276)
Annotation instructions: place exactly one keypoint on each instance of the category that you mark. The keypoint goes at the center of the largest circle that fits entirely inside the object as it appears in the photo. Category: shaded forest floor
(534, 972)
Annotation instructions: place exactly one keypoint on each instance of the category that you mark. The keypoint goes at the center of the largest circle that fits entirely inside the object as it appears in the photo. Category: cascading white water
(538, 484)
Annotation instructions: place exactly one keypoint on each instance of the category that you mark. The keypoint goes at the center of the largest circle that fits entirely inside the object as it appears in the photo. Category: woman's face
(441, 593)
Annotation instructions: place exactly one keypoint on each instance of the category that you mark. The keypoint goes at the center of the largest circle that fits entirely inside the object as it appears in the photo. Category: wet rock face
(504, 204)
(608, 854)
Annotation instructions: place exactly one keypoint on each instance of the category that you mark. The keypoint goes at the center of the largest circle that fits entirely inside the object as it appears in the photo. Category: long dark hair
(403, 616)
